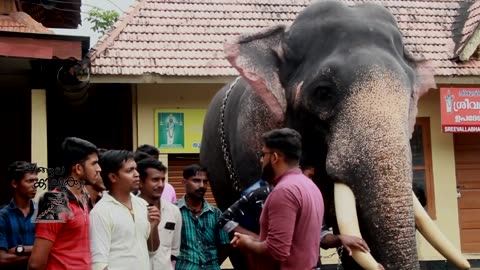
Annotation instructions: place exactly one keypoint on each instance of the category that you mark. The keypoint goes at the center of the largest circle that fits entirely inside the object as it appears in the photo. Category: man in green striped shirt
(204, 244)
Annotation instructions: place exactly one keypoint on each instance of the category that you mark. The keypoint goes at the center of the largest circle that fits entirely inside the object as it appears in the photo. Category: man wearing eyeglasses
(294, 206)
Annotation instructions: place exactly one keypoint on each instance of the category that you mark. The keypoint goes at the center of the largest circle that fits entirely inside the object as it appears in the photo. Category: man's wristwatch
(19, 250)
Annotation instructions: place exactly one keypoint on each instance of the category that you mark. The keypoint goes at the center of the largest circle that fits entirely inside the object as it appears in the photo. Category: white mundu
(170, 230)
(118, 238)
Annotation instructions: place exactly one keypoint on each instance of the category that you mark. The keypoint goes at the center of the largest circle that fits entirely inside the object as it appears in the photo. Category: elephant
(341, 76)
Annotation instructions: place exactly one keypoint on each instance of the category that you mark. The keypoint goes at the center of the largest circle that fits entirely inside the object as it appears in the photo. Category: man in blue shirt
(17, 232)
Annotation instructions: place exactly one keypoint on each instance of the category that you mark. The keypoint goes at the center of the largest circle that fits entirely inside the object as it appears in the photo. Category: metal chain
(340, 252)
(330, 255)
(223, 140)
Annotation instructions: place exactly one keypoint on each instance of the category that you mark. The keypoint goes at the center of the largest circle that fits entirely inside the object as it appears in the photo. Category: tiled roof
(22, 22)
(55, 13)
(185, 37)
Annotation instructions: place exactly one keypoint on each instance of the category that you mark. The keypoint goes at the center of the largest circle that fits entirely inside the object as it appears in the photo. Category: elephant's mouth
(347, 221)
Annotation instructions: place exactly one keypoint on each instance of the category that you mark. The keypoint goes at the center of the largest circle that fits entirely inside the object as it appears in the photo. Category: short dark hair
(286, 140)
(192, 170)
(141, 155)
(75, 151)
(149, 149)
(18, 169)
(102, 150)
(111, 162)
(144, 164)
(305, 163)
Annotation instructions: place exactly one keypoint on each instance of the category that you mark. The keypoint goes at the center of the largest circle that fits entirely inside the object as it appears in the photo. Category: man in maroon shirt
(293, 212)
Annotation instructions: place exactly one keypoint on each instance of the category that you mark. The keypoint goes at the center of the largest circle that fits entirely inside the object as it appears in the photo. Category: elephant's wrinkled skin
(340, 76)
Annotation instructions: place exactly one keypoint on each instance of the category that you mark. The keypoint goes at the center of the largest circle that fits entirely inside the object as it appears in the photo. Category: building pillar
(39, 134)
(134, 116)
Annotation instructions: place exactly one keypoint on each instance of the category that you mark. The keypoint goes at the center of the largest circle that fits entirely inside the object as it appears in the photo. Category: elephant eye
(323, 92)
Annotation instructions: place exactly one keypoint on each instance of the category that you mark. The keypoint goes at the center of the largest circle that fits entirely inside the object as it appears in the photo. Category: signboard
(460, 108)
(179, 130)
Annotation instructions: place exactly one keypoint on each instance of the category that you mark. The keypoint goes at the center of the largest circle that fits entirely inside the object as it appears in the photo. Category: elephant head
(342, 77)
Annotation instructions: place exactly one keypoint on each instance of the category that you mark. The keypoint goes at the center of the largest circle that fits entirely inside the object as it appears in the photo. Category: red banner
(460, 109)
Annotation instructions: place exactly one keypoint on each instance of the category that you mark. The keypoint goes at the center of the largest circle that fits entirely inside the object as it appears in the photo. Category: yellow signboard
(179, 130)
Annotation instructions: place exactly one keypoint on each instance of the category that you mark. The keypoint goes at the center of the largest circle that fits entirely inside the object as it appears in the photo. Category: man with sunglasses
(294, 206)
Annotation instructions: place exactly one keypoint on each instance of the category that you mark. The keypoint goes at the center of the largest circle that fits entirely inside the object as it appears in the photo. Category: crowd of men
(117, 212)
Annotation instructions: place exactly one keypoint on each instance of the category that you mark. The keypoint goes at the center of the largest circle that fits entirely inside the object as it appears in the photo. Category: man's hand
(353, 242)
(153, 216)
(241, 240)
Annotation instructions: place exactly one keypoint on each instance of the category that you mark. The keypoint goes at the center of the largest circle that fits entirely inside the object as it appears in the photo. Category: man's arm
(247, 242)
(347, 241)
(327, 239)
(39, 257)
(257, 252)
(153, 241)
(45, 237)
(100, 239)
(9, 259)
(177, 235)
(27, 250)
(281, 212)
(330, 241)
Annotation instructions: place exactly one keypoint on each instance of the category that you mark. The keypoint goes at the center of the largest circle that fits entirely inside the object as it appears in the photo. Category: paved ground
(431, 265)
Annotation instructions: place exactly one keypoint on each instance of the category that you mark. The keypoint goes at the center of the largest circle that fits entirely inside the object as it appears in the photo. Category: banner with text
(179, 130)
(460, 109)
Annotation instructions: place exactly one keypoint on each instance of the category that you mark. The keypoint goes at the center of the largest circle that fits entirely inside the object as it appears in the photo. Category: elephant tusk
(348, 223)
(435, 237)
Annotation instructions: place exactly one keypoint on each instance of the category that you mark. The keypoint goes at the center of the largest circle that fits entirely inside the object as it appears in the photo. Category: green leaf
(102, 21)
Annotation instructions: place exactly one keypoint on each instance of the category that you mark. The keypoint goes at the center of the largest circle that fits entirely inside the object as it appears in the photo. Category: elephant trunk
(369, 152)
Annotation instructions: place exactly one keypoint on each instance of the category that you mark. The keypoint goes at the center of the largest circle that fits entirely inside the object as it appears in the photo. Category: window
(422, 165)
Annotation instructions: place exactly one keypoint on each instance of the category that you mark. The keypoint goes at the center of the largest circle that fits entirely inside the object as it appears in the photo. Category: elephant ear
(424, 81)
(257, 57)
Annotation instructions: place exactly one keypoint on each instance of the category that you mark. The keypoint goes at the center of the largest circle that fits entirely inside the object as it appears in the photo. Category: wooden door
(467, 164)
(176, 164)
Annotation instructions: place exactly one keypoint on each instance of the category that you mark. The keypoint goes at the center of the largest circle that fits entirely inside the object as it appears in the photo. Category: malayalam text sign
(460, 108)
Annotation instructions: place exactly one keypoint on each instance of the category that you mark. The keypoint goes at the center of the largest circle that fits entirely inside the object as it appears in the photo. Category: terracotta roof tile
(22, 22)
(185, 37)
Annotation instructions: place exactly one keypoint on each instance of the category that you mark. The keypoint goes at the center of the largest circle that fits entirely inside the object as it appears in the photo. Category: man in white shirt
(152, 178)
(146, 150)
(123, 227)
